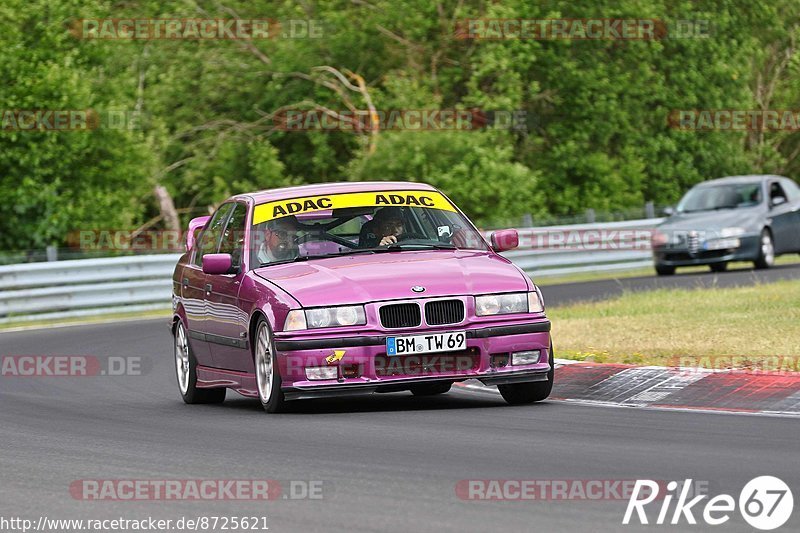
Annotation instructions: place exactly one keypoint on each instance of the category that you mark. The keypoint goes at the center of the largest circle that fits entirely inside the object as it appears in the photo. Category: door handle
(208, 288)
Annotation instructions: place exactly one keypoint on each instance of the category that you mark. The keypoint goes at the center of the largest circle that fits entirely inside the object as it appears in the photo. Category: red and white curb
(673, 388)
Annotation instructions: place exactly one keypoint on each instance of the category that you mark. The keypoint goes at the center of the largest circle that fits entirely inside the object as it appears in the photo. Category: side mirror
(195, 225)
(217, 263)
(778, 200)
(504, 239)
(668, 211)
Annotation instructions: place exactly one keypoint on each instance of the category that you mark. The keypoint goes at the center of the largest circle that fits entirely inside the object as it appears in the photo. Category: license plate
(435, 342)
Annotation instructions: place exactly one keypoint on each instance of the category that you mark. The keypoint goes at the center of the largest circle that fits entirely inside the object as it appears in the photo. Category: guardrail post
(590, 216)
(52, 253)
(649, 210)
(527, 220)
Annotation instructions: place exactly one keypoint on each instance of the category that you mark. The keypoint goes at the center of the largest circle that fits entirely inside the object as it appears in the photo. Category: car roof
(318, 189)
(739, 179)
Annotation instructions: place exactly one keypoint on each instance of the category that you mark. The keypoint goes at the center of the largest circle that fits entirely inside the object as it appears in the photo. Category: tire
(766, 251)
(430, 389)
(718, 267)
(526, 393)
(664, 270)
(186, 372)
(268, 376)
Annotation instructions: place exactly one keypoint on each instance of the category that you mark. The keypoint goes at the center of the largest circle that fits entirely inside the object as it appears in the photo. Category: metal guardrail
(65, 289)
(579, 248)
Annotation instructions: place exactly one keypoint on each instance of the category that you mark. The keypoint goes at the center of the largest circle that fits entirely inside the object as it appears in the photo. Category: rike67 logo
(765, 503)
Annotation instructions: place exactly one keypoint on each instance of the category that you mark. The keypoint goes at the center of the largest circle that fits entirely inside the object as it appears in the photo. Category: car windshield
(361, 230)
(728, 196)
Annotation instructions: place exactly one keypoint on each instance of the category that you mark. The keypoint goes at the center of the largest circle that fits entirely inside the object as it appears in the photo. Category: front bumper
(365, 367)
(748, 250)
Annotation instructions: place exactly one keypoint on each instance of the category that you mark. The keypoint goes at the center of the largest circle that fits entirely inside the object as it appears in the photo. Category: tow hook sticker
(337, 356)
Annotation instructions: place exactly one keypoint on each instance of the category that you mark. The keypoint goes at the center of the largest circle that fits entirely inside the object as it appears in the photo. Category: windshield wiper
(290, 260)
(715, 208)
(400, 246)
(350, 252)
(337, 254)
(442, 246)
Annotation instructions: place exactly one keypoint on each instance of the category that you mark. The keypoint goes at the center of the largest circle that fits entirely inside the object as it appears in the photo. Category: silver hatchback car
(740, 218)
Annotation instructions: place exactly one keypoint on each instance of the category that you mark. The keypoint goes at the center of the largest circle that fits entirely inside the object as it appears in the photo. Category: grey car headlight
(726, 239)
(505, 304)
(731, 232)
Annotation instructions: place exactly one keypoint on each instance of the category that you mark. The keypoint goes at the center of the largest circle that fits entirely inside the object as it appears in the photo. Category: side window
(792, 189)
(209, 239)
(233, 236)
(776, 191)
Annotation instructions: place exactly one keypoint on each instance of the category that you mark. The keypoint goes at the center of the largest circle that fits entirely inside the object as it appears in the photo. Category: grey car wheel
(664, 270)
(766, 254)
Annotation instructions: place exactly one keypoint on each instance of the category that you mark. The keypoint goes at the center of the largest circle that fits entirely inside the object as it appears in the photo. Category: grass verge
(656, 327)
(648, 271)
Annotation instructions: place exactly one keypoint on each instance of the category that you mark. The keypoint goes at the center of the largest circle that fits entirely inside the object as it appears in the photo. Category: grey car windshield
(727, 196)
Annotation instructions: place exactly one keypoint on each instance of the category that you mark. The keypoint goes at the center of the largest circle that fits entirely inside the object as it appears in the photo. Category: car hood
(713, 220)
(365, 278)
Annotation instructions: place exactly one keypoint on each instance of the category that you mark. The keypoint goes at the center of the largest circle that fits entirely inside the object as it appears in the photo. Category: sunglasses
(284, 232)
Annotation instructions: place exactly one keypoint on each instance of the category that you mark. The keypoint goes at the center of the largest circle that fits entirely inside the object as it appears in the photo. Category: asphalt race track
(387, 462)
(597, 290)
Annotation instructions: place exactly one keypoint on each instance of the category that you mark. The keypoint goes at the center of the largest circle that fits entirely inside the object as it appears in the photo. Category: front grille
(400, 316)
(444, 312)
(693, 242)
(467, 361)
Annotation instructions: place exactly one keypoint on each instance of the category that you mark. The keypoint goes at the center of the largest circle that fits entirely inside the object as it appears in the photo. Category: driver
(385, 228)
(279, 240)
(390, 226)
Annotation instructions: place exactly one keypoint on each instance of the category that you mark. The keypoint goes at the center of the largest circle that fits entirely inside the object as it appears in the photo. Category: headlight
(504, 304)
(722, 244)
(326, 317)
(731, 232)
(726, 239)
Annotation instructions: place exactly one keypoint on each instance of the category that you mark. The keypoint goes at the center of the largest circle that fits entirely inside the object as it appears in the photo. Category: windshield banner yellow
(310, 204)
